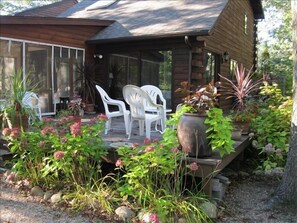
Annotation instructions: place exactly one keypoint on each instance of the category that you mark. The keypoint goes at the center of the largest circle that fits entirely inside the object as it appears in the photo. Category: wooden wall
(228, 35)
(74, 36)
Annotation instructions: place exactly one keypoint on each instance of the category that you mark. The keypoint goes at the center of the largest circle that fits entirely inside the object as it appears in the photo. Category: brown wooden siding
(228, 35)
(74, 36)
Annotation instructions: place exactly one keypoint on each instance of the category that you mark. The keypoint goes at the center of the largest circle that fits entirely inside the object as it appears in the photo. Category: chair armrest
(118, 103)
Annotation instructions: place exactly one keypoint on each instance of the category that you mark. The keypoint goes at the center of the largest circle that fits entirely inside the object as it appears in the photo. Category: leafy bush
(272, 126)
(219, 131)
(155, 176)
(62, 152)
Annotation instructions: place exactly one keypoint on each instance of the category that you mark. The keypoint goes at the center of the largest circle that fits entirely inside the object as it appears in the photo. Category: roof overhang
(257, 8)
(57, 21)
(148, 37)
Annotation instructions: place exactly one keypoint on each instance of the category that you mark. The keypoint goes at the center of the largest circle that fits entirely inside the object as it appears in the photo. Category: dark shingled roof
(51, 10)
(147, 18)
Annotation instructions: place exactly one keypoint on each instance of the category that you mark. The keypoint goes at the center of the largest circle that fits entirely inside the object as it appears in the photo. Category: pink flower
(134, 145)
(147, 141)
(154, 218)
(149, 149)
(119, 163)
(156, 140)
(48, 119)
(59, 155)
(6, 132)
(194, 166)
(76, 129)
(48, 130)
(93, 120)
(102, 117)
(15, 133)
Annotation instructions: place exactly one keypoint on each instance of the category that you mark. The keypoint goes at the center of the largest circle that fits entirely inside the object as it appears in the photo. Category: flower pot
(236, 134)
(243, 126)
(191, 132)
(90, 108)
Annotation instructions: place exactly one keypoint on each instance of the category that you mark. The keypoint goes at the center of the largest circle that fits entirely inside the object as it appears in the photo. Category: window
(53, 68)
(233, 64)
(10, 61)
(141, 68)
(245, 24)
(211, 64)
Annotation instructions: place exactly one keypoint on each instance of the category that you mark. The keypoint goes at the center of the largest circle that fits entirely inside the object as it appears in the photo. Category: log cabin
(131, 42)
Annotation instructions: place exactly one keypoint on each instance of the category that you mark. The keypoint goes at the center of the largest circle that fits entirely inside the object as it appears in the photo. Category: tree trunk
(286, 192)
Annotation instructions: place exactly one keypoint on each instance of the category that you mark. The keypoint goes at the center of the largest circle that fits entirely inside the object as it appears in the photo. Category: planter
(243, 126)
(89, 108)
(236, 134)
(191, 132)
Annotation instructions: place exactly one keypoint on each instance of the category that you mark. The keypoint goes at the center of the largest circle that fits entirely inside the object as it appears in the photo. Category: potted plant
(14, 114)
(86, 79)
(191, 129)
(76, 106)
(241, 90)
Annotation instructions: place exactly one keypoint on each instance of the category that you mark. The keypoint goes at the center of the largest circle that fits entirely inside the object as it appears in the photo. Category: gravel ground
(246, 199)
(17, 208)
(244, 202)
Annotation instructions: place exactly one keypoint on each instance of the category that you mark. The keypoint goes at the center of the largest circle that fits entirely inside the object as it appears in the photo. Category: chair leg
(130, 128)
(141, 127)
(107, 126)
(148, 129)
(127, 121)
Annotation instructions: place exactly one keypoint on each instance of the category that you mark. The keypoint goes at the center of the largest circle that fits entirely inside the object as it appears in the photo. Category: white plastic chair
(32, 101)
(155, 93)
(122, 111)
(138, 99)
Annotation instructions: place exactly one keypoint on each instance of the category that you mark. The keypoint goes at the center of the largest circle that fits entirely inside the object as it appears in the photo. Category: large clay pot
(191, 132)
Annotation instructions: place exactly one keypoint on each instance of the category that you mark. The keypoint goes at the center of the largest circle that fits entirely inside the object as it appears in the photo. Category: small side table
(63, 102)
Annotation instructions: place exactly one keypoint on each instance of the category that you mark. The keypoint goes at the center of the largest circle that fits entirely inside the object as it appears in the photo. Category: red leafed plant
(243, 86)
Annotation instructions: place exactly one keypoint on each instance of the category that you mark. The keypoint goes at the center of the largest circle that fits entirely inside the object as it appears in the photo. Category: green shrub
(272, 127)
(60, 153)
(155, 176)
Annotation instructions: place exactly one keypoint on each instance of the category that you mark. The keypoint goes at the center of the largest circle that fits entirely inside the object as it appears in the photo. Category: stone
(55, 198)
(37, 191)
(124, 213)
(243, 174)
(181, 220)
(210, 209)
(47, 195)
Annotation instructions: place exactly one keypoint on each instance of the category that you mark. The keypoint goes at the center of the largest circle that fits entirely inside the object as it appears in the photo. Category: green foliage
(154, 178)
(99, 195)
(61, 153)
(199, 98)
(280, 65)
(272, 127)
(219, 131)
(14, 111)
